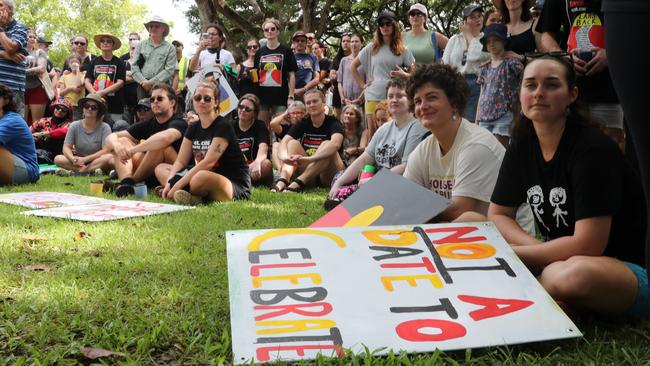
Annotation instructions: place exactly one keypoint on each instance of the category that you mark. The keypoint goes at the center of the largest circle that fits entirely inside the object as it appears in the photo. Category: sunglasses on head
(156, 99)
(561, 56)
(92, 107)
(242, 107)
(206, 98)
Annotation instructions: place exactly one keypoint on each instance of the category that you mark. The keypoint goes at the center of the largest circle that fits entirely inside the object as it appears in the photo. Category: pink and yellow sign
(295, 293)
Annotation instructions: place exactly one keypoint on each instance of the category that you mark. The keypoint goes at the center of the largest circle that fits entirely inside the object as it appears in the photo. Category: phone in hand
(205, 35)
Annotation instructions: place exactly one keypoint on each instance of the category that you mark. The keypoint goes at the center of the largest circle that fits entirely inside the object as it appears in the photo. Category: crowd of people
(514, 119)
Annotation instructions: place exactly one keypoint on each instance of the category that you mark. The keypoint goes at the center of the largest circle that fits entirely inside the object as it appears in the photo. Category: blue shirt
(16, 137)
(11, 73)
(307, 64)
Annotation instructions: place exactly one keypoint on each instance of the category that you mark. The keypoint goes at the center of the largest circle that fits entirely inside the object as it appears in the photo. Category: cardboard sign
(227, 99)
(387, 199)
(48, 199)
(107, 211)
(295, 293)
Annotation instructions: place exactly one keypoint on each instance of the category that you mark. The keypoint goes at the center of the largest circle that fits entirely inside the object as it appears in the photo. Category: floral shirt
(499, 88)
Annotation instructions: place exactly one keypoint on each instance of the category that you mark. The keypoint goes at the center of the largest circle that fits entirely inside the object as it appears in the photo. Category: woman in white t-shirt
(210, 51)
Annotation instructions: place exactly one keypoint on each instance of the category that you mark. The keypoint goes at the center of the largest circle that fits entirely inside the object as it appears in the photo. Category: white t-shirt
(469, 169)
(380, 66)
(207, 59)
(455, 48)
(391, 146)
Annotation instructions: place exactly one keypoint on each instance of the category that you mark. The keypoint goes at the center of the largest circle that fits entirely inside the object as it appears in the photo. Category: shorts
(36, 96)
(275, 109)
(641, 306)
(241, 190)
(370, 106)
(500, 126)
(20, 175)
(608, 115)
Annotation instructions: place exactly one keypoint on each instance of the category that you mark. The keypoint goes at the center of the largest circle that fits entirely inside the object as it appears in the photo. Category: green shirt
(160, 62)
(421, 47)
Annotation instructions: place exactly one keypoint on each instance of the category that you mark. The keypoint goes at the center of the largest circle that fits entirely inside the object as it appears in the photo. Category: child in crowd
(499, 79)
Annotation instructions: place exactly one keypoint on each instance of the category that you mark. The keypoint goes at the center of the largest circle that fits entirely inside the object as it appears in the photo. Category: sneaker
(62, 172)
(112, 174)
(98, 171)
(124, 190)
(158, 191)
(186, 198)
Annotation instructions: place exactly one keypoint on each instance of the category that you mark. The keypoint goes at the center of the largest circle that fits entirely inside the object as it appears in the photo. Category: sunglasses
(206, 98)
(562, 56)
(311, 38)
(300, 40)
(270, 29)
(92, 107)
(133, 39)
(213, 34)
(464, 60)
(60, 108)
(142, 109)
(79, 43)
(106, 40)
(156, 99)
(416, 14)
(253, 47)
(385, 24)
(245, 108)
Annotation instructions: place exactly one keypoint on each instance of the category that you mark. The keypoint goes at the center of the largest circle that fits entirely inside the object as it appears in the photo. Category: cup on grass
(96, 187)
(140, 190)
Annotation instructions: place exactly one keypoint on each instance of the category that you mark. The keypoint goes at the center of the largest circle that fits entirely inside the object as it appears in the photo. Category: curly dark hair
(397, 82)
(8, 94)
(441, 76)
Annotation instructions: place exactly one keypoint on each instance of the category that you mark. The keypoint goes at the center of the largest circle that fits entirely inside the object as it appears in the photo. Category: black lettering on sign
(395, 252)
(254, 257)
(334, 337)
(445, 305)
(260, 296)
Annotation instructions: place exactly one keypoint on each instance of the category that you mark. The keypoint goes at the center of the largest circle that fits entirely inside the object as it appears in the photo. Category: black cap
(144, 102)
(386, 14)
(469, 9)
(496, 30)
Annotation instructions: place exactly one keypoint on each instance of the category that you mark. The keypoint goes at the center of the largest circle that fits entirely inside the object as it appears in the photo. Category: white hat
(419, 7)
(158, 19)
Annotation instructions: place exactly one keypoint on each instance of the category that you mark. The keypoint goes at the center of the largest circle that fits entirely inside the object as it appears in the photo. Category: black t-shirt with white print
(250, 140)
(103, 74)
(273, 67)
(231, 164)
(311, 137)
(145, 129)
(587, 177)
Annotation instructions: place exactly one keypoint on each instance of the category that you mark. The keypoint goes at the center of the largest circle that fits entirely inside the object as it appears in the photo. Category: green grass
(156, 290)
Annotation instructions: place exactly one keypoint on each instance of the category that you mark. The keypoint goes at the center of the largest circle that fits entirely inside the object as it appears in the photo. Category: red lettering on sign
(493, 307)
(456, 235)
(325, 308)
(411, 330)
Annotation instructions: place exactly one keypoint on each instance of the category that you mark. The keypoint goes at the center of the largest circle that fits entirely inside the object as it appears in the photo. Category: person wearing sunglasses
(210, 51)
(253, 138)
(154, 60)
(106, 75)
(79, 47)
(276, 66)
(280, 126)
(308, 72)
(18, 164)
(141, 147)
(84, 147)
(384, 58)
(49, 132)
(424, 43)
(247, 74)
(210, 165)
(465, 52)
(587, 201)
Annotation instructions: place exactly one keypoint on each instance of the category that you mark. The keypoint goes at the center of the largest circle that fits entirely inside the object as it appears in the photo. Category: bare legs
(6, 167)
(204, 183)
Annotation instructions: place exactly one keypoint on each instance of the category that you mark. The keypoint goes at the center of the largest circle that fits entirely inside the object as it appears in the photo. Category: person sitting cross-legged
(140, 148)
(253, 137)
(312, 149)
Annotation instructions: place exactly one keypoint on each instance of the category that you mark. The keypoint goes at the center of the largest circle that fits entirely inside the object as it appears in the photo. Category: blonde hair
(273, 21)
(214, 86)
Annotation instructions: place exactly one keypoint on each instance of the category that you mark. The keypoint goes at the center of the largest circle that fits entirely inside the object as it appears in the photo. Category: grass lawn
(156, 290)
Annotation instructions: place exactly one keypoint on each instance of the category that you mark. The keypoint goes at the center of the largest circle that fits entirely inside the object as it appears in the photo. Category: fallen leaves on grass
(34, 238)
(95, 353)
(38, 267)
(25, 247)
(80, 235)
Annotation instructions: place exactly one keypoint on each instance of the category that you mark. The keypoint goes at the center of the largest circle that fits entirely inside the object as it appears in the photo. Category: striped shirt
(11, 73)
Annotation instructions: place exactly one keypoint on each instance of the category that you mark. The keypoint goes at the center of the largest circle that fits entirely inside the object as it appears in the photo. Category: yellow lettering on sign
(404, 238)
(256, 243)
(387, 281)
(292, 278)
(292, 326)
(476, 251)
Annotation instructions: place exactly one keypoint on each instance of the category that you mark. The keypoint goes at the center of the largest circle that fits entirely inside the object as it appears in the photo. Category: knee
(294, 145)
(60, 159)
(570, 279)
(199, 179)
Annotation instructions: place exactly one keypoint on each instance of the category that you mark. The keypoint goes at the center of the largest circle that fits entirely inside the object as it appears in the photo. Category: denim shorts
(500, 126)
(20, 172)
(641, 306)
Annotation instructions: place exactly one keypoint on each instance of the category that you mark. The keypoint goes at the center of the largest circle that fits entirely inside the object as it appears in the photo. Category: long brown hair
(396, 43)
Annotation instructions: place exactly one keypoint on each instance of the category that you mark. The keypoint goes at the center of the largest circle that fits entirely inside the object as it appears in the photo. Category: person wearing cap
(465, 52)
(536, 10)
(84, 147)
(515, 14)
(424, 43)
(384, 58)
(154, 60)
(143, 110)
(499, 80)
(210, 51)
(49, 132)
(276, 67)
(44, 44)
(106, 74)
(308, 73)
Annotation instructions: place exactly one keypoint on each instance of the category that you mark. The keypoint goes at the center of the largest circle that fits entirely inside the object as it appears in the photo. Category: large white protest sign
(227, 98)
(295, 293)
(48, 199)
(107, 211)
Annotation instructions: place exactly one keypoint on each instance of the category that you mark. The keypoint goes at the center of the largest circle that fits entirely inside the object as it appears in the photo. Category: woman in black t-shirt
(586, 201)
(210, 166)
(253, 138)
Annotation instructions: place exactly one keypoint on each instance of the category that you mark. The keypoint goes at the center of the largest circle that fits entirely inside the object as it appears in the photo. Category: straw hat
(116, 41)
(95, 98)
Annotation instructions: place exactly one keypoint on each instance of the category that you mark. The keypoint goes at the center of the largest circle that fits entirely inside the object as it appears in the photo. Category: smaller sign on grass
(48, 199)
(108, 211)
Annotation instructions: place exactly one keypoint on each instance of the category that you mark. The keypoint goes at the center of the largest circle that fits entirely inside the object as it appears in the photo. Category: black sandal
(299, 182)
(277, 189)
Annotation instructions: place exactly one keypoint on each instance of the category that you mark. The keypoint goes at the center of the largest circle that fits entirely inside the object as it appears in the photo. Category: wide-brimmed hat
(43, 40)
(386, 14)
(525, 4)
(419, 7)
(95, 98)
(116, 41)
(496, 30)
(62, 103)
(469, 9)
(158, 19)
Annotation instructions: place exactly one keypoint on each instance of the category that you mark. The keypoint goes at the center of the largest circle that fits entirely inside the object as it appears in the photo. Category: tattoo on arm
(218, 148)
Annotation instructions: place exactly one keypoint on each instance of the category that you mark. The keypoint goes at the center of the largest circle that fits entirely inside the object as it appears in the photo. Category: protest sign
(107, 211)
(48, 199)
(295, 293)
(227, 98)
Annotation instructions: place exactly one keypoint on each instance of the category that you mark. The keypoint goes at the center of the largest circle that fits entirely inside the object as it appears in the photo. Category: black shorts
(241, 189)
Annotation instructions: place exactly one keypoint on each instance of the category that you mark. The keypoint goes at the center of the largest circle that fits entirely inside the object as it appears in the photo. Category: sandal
(277, 189)
(299, 182)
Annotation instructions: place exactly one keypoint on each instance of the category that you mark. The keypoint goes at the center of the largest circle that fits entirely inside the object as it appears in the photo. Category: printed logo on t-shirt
(587, 30)
(386, 155)
(104, 76)
(442, 186)
(535, 200)
(311, 142)
(271, 70)
(200, 149)
(557, 198)
(246, 147)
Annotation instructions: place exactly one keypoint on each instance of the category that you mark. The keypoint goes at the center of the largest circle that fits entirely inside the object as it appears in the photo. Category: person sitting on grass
(390, 146)
(353, 127)
(140, 148)
(587, 201)
(460, 160)
(49, 132)
(253, 138)
(84, 149)
(311, 150)
(281, 124)
(18, 163)
(210, 166)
